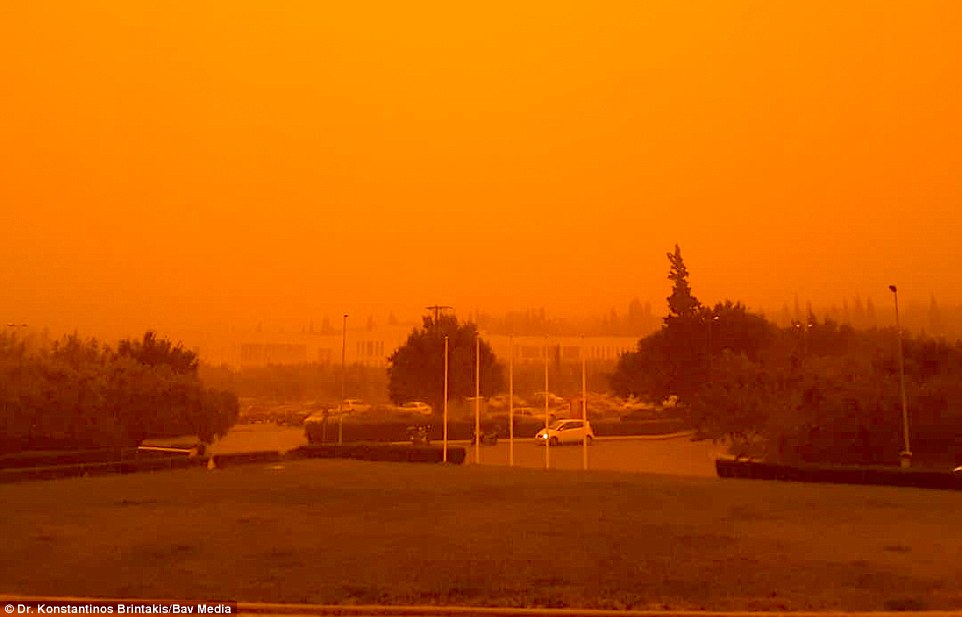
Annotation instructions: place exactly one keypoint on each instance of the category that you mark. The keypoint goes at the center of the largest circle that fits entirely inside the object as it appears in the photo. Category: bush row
(382, 452)
(242, 458)
(151, 461)
(79, 457)
(100, 468)
(840, 474)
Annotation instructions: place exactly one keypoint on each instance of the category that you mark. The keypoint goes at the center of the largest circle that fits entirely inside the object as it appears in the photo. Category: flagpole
(584, 408)
(445, 454)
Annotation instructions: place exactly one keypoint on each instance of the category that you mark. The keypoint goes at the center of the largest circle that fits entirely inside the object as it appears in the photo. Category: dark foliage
(416, 371)
(78, 393)
(154, 352)
(681, 302)
(383, 452)
(814, 391)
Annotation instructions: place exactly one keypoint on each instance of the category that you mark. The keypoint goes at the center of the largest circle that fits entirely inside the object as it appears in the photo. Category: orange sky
(190, 164)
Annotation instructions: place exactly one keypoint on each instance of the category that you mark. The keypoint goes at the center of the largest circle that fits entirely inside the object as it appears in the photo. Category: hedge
(242, 458)
(79, 457)
(100, 468)
(525, 427)
(382, 452)
(840, 474)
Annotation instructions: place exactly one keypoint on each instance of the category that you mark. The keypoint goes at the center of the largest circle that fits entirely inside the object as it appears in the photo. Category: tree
(678, 359)
(155, 352)
(78, 393)
(681, 302)
(416, 370)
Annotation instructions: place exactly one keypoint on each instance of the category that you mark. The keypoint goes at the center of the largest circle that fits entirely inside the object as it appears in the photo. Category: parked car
(316, 417)
(353, 405)
(566, 431)
(417, 407)
(555, 402)
(502, 402)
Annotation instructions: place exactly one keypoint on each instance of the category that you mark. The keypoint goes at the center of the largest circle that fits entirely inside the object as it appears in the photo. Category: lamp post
(445, 449)
(16, 329)
(584, 407)
(340, 406)
(905, 455)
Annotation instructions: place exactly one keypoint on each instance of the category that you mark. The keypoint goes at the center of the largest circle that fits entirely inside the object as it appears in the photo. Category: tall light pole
(16, 327)
(23, 346)
(584, 407)
(340, 406)
(906, 454)
(445, 454)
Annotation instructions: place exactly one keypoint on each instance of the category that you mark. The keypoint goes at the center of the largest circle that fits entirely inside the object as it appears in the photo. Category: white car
(351, 405)
(566, 431)
(417, 407)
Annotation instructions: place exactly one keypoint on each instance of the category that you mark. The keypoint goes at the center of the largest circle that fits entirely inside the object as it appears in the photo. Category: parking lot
(674, 455)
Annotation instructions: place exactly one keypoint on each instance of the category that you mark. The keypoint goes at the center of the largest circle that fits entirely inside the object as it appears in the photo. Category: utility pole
(437, 308)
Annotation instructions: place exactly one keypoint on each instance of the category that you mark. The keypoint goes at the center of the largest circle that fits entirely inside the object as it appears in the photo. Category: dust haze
(222, 170)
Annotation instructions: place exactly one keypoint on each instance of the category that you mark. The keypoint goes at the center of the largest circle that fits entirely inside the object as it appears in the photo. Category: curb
(380, 610)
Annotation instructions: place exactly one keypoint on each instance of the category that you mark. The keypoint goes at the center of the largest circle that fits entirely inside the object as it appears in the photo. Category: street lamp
(905, 455)
(444, 456)
(16, 328)
(340, 406)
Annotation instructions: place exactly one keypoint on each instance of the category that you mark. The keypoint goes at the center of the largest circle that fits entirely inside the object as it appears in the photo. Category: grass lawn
(332, 531)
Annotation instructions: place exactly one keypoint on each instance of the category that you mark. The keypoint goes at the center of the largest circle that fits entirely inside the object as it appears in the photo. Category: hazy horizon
(193, 166)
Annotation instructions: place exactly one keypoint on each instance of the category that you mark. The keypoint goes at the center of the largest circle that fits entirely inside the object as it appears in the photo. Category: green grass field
(332, 531)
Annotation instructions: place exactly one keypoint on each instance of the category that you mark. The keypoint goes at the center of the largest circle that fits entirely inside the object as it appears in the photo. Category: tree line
(815, 390)
(77, 393)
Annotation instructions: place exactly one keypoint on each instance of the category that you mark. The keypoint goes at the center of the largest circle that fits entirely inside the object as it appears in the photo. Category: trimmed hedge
(839, 474)
(639, 427)
(100, 468)
(243, 458)
(80, 457)
(382, 452)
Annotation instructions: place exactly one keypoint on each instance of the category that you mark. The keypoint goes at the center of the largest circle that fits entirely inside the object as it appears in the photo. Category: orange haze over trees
(205, 167)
